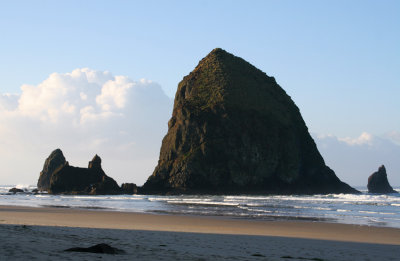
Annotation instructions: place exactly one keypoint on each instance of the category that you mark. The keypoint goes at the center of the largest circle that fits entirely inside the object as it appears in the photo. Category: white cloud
(354, 159)
(8, 101)
(364, 138)
(83, 112)
(114, 93)
(394, 136)
(83, 96)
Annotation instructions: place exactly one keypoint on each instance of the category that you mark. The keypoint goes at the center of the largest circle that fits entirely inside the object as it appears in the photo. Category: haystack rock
(378, 182)
(235, 130)
(91, 180)
(55, 161)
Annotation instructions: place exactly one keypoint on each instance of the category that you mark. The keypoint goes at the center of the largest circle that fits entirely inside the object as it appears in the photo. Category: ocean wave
(301, 207)
(365, 209)
(369, 212)
(322, 208)
(204, 203)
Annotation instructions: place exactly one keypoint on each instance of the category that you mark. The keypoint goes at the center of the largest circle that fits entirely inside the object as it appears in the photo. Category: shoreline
(103, 219)
(366, 209)
(31, 233)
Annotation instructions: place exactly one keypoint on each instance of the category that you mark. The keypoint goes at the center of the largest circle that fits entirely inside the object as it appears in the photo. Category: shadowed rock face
(74, 180)
(95, 163)
(16, 190)
(129, 188)
(235, 130)
(55, 161)
(378, 182)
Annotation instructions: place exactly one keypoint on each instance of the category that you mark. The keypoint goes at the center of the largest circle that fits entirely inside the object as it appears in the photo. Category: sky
(100, 77)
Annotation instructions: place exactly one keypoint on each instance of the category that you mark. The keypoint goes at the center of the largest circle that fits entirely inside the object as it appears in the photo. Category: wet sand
(44, 233)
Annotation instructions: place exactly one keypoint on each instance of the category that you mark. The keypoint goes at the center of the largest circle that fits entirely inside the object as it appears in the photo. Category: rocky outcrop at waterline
(16, 190)
(75, 180)
(129, 188)
(235, 130)
(58, 177)
(378, 182)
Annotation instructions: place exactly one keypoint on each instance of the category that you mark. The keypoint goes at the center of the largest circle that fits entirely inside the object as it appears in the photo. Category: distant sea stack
(235, 130)
(378, 182)
(58, 177)
(91, 180)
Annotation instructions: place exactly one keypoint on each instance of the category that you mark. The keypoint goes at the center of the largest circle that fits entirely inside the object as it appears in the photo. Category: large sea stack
(378, 182)
(235, 130)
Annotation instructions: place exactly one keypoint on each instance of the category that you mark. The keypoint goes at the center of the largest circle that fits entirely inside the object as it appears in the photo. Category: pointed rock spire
(53, 162)
(378, 182)
(95, 162)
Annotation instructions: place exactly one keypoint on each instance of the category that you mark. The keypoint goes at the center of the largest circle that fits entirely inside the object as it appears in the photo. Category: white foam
(301, 207)
(369, 212)
(22, 186)
(321, 208)
(204, 203)
(354, 209)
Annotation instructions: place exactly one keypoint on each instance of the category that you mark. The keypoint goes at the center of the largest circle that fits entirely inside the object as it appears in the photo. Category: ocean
(364, 209)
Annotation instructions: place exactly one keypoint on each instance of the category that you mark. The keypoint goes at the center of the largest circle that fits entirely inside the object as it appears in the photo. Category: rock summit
(55, 161)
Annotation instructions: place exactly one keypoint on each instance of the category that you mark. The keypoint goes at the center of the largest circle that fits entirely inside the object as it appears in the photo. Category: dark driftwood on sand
(99, 249)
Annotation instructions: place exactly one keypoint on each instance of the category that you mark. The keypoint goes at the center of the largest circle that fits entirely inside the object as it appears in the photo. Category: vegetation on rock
(235, 130)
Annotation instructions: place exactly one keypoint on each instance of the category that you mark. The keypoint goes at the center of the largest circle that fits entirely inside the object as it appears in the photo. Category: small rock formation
(98, 249)
(16, 190)
(74, 180)
(378, 182)
(235, 130)
(55, 161)
(95, 163)
(129, 188)
(58, 177)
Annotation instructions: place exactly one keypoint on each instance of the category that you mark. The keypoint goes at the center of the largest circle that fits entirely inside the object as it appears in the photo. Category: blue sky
(338, 60)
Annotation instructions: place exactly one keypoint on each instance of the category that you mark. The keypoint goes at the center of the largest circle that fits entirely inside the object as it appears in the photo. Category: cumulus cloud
(364, 138)
(83, 112)
(354, 159)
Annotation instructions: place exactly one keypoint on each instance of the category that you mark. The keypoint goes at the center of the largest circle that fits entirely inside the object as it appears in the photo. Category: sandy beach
(44, 234)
